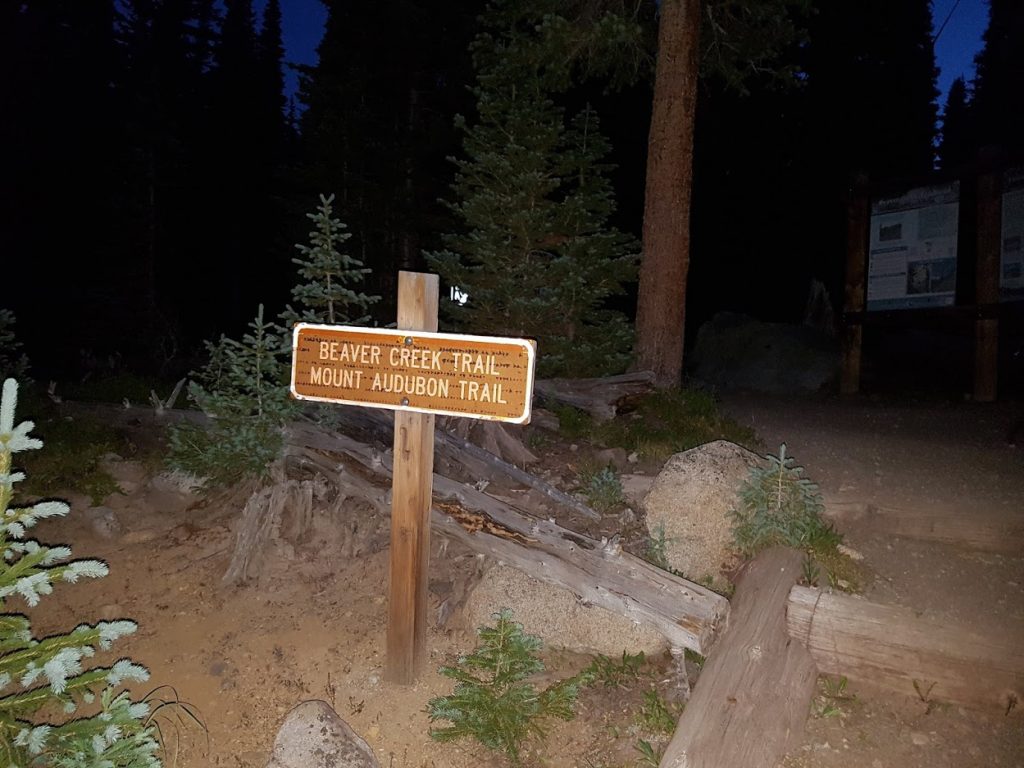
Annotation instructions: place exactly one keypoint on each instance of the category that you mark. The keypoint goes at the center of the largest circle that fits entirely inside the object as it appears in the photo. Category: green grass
(612, 673)
(602, 488)
(660, 424)
(657, 716)
(74, 447)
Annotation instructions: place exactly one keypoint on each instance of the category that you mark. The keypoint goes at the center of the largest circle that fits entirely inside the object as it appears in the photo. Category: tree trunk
(661, 309)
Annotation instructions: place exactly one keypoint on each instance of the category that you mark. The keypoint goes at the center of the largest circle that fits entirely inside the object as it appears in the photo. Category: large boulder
(736, 352)
(557, 616)
(314, 736)
(688, 508)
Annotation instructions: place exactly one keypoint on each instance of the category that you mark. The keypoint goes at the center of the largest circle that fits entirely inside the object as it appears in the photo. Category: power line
(945, 22)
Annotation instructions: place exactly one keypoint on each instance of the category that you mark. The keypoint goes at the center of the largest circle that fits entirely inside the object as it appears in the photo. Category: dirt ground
(314, 626)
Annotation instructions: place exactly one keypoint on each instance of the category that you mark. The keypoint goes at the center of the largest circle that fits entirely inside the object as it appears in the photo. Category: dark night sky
(954, 51)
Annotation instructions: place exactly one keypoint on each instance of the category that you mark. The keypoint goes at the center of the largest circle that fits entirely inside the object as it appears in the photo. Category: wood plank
(750, 704)
(975, 529)
(858, 220)
(894, 648)
(410, 507)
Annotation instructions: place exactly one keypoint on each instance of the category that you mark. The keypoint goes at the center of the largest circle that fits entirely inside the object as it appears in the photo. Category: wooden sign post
(416, 372)
(411, 492)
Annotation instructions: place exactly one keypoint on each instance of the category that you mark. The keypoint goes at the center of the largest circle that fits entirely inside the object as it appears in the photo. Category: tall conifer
(536, 255)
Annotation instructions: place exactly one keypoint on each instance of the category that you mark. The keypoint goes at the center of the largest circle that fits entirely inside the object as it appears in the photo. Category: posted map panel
(913, 249)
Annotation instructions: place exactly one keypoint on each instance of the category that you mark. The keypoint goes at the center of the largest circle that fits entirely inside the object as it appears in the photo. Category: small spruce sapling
(41, 678)
(244, 386)
(778, 506)
(243, 390)
(328, 291)
(492, 701)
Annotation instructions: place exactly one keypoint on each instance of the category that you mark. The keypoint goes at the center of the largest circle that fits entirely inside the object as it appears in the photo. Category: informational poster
(1011, 273)
(912, 249)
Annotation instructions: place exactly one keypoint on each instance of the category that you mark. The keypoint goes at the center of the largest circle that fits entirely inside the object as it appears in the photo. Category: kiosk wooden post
(986, 324)
(410, 503)
(858, 217)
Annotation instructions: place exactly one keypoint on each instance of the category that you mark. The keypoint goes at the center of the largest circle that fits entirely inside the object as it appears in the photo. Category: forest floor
(313, 627)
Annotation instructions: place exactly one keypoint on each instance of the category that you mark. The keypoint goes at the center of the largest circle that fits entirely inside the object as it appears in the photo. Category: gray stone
(689, 505)
(104, 522)
(314, 736)
(735, 352)
(556, 616)
(613, 457)
(635, 488)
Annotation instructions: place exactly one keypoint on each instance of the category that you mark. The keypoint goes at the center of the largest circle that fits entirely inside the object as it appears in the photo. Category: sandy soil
(313, 627)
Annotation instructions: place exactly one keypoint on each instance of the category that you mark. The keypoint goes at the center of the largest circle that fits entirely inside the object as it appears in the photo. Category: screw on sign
(416, 372)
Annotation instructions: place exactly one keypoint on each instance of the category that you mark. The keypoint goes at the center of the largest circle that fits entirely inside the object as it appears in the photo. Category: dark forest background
(155, 178)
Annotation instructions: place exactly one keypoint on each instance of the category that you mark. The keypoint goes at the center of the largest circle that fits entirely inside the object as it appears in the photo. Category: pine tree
(958, 145)
(998, 91)
(493, 701)
(39, 678)
(328, 293)
(537, 257)
(243, 390)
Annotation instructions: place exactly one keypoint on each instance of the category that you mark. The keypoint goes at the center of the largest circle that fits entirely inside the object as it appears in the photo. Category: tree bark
(661, 310)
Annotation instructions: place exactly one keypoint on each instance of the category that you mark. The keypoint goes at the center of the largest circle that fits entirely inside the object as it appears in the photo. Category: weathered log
(687, 614)
(599, 572)
(974, 529)
(894, 648)
(492, 437)
(448, 446)
(751, 702)
(598, 397)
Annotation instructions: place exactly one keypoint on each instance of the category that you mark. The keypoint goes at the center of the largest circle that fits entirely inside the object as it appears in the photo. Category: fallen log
(598, 397)
(983, 530)
(599, 572)
(892, 647)
(446, 446)
(751, 702)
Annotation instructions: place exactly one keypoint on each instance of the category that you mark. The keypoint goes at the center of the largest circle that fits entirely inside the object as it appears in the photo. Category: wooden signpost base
(410, 505)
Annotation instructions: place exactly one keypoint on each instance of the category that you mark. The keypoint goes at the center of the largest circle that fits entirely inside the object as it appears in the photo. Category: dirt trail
(314, 626)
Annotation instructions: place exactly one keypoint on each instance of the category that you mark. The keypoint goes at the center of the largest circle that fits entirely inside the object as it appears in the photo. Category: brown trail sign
(454, 375)
(419, 373)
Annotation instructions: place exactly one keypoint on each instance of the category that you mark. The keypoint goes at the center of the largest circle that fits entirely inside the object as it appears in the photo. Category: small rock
(919, 739)
(633, 458)
(218, 668)
(104, 522)
(850, 552)
(314, 736)
(574, 447)
(876, 763)
(614, 457)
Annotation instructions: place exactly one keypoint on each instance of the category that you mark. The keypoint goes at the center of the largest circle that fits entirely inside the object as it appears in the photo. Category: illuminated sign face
(482, 377)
